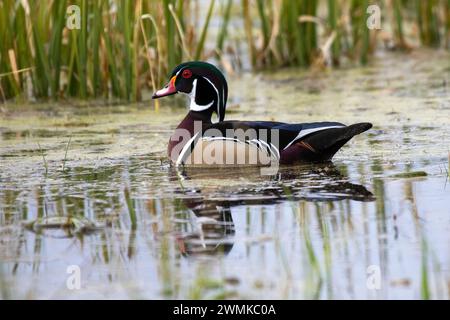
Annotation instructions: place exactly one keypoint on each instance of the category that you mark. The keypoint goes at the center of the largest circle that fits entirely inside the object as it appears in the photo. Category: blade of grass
(95, 44)
(170, 35)
(136, 88)
(43, 158)
(365, 35)
(55, 45)
(65, 154)
(333, 16)
(82, 51)
(204, 32)
(147, 49)
(180, 32)
(248, 31)
(224, 27)
(400, 39)
(131, 210)
(424, 287)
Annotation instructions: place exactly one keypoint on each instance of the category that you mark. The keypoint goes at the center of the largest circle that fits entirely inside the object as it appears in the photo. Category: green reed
(304, 26)
(224, 26)
(398, 23)
(125, 47)
(111, 55)
(333, 20)
(447, 23)
(428, 22)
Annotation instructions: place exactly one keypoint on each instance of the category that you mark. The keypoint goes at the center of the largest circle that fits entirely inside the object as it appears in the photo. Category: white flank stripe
(277, 151)
(218, 97)
(308, 131)
(220, 138)
(268, 147)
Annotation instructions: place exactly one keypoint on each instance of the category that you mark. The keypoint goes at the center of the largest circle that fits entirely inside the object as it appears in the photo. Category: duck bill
(168, 90)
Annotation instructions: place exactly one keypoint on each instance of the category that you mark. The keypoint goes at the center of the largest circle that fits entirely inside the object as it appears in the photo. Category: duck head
(203, 83)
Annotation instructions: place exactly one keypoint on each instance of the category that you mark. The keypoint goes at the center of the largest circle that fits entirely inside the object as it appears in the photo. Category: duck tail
(322, 145)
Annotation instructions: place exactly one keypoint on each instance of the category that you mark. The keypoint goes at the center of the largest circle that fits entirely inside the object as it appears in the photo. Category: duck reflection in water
(208, 228)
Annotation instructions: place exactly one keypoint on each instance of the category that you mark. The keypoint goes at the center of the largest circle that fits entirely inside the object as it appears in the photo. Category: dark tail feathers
(324, 144)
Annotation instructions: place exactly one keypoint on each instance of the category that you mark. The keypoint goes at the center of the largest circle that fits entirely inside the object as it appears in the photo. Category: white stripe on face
(218, 98)
(223, 101)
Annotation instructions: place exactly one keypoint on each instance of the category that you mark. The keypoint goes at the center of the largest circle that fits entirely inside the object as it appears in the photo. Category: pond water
(87, 187)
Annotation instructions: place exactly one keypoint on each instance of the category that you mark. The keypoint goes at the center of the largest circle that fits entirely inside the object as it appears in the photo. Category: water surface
(89, 185)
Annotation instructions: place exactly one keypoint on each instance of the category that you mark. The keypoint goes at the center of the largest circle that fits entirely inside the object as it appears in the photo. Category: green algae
(269, 234)
(414, 174)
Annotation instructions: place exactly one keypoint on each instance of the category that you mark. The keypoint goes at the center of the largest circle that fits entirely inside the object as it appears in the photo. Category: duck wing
(263, 131)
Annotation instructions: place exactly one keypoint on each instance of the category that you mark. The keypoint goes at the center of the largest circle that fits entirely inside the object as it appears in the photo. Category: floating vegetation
(124, 47)
(414, 174)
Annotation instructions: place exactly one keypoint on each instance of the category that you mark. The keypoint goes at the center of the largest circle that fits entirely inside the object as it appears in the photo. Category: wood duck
(199, 141)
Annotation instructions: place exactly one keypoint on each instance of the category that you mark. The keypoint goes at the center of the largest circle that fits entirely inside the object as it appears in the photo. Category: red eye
(187, 73)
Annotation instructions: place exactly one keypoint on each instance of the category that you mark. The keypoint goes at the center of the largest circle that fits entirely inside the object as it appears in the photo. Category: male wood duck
(199, 141)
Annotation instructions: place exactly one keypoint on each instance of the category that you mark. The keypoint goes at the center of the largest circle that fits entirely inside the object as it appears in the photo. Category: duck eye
(186, 74)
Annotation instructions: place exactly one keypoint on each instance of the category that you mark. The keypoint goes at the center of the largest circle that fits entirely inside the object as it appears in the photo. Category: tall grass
(124, 46)
(121, 47)
(305, 32)
(428, 21)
